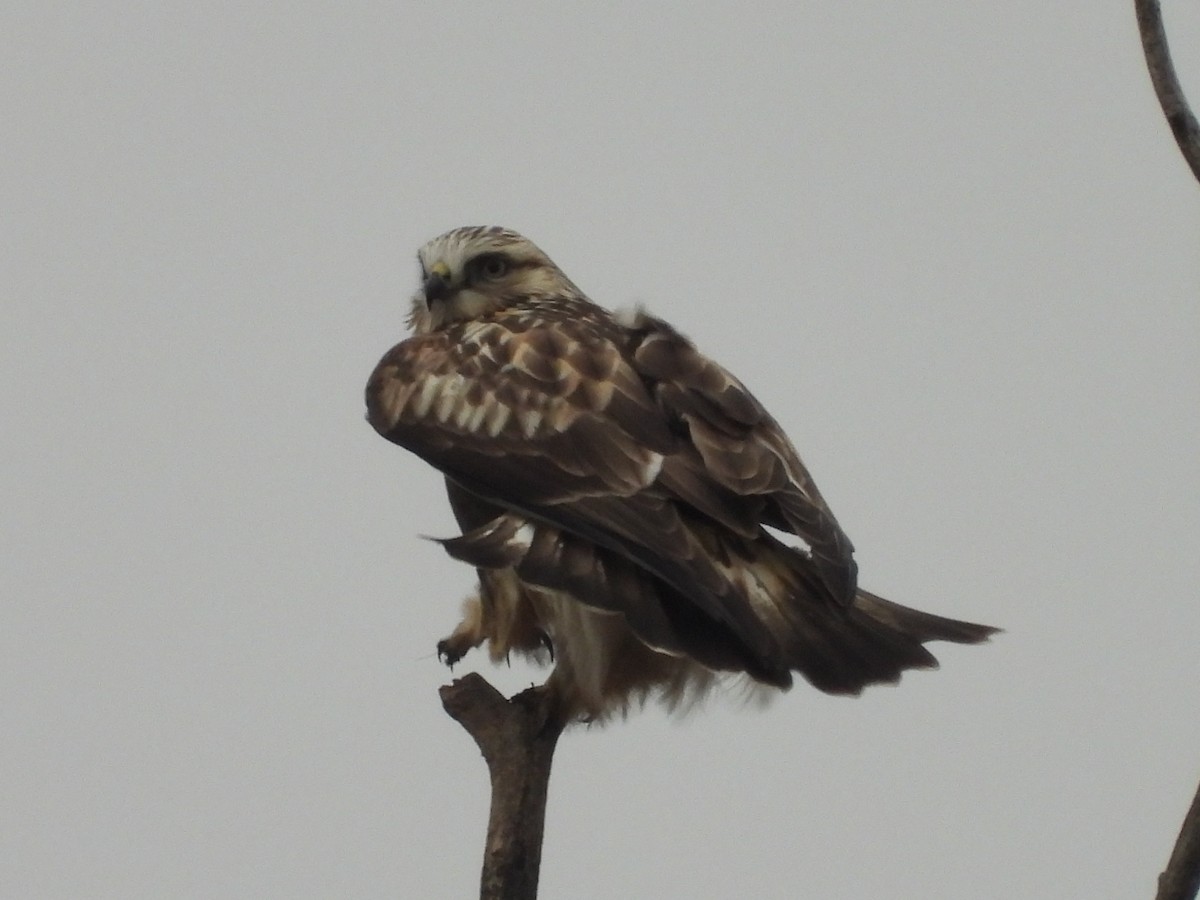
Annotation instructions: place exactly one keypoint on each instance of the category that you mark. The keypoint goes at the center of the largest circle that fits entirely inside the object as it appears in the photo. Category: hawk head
(470, 272)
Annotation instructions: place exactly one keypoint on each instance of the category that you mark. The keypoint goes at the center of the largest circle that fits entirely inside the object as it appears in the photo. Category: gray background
(952, 246)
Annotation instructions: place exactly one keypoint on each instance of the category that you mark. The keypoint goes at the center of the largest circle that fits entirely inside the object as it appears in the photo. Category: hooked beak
(437, 285)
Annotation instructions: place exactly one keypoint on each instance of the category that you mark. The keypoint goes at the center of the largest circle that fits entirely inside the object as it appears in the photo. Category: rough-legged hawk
(615, 487)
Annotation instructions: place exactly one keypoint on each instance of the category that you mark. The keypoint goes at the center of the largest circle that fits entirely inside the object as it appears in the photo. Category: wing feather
(741, 448)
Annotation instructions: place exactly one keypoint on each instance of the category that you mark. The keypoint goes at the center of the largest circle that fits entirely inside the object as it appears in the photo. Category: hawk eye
(492, 265)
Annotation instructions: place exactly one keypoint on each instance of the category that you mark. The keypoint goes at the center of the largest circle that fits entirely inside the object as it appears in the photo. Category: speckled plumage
(613, 485)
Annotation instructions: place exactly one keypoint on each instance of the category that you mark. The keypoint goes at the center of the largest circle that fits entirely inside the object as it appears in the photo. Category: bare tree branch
(1181, 879)
(517, 738)
(1166, 82)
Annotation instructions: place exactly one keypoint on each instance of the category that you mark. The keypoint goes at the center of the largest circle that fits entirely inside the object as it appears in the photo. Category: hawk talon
(447, 654)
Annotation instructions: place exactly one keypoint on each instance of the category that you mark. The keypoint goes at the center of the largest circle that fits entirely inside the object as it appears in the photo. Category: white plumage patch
(530, 420)
(652, 467)
(477, 414)
(629, 316)
(448, 396)
(427, 393)
(495, 418)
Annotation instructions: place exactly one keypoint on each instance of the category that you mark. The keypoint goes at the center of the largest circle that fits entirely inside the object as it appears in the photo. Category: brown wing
(737, 466)
(536, 414)
(553, 422)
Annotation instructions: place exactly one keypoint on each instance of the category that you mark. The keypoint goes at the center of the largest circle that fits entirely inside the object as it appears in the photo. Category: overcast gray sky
(951, 246)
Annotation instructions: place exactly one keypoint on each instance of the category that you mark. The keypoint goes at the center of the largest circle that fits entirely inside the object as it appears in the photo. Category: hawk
(620, 495)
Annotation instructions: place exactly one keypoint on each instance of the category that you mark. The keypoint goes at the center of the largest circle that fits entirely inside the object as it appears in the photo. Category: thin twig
(1181, 879)
(1166, 82)
(517, 738)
